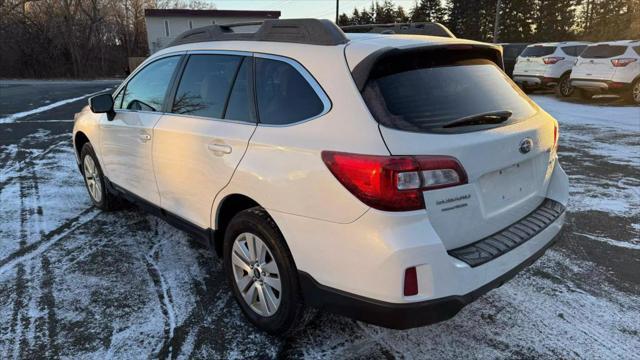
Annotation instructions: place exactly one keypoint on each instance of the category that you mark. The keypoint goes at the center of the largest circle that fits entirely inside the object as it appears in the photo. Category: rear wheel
(94, 180)
(635, 92)
(564, 88)
(262, 274)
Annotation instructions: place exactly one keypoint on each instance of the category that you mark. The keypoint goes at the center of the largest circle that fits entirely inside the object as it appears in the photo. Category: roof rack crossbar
(417, 28)
(300, 31)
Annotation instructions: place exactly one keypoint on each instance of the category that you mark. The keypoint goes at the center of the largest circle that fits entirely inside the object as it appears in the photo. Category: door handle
(220, 149)
(144, 137)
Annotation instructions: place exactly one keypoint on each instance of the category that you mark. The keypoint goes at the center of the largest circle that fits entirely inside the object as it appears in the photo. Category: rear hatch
(457, 103)
(595, 62)
(531, 62)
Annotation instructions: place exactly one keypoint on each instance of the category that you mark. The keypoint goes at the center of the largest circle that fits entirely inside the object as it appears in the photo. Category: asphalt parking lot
(79, 283)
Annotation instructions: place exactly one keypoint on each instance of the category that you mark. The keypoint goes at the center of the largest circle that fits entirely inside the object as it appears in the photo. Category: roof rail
(300, 31)
(418, 28)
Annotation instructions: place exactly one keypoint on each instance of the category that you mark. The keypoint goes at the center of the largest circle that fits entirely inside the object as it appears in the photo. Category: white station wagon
(389, 178)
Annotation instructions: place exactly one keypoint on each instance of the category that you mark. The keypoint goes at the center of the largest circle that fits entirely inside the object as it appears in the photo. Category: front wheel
(634, 95)
(95, 181)
(564, 88)
(262, 274)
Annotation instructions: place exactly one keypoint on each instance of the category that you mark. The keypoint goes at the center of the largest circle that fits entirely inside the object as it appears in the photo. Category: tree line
(94, 38)
(75, 38)
(520, 20)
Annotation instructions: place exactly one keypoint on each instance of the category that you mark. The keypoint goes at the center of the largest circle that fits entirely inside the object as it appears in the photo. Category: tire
(94, 180)
(634, 93)
(283, 313)
(564, 88)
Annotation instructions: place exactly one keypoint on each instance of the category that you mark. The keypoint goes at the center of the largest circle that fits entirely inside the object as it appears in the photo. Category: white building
(163, 25)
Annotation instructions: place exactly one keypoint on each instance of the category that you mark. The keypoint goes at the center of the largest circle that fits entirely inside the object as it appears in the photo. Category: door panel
(126, 143)
(198, 147)
(194, 159)
(126, 140)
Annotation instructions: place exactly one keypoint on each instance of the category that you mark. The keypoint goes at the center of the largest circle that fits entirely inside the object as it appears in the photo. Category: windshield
(538, 51)
(603, 51)
(426, 99)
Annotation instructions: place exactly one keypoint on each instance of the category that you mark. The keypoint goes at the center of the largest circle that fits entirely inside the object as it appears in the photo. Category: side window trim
(143, 66)
(252, 91)
(322, 95)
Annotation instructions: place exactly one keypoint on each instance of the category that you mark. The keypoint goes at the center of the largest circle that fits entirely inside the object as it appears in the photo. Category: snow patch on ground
(621, 117)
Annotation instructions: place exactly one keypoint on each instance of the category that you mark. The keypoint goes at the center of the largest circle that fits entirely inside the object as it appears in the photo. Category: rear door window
(205, 85)
(147, 89)
(284, 95)
(603, 51)
(538, 51)
(637, 50)
(416, 95)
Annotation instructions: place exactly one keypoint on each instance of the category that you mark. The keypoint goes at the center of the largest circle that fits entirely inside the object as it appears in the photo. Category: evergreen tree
(555, 20)
(385, 12)
(428, 11)
(401, 16)
(471, 19)
(611, 19)
(516, 21)
(344, 19)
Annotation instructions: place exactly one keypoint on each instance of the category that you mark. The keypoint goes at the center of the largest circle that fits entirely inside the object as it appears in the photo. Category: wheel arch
(79, 139)
(226, 209)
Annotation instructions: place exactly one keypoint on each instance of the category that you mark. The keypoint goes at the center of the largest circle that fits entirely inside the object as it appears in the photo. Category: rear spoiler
(419, 28)
(361, 72)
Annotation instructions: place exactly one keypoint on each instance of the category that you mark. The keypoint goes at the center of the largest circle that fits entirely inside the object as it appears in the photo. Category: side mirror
(102, 103)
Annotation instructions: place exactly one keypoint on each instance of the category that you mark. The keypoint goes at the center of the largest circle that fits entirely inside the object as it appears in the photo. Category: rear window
(538, 51)
(419, 96)
(603, 51)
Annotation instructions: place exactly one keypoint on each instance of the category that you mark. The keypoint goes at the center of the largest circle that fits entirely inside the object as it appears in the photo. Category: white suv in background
(548, 65)
(609, 68)
(389, 178)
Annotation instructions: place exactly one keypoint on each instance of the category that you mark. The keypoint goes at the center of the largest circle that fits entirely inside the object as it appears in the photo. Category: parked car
(510, 53)
(548, 65)
(361, 174)
(609, 68)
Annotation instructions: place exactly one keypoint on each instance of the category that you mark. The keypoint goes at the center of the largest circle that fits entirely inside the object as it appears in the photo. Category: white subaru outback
(548, 65)
(609, 68)
(389, 178)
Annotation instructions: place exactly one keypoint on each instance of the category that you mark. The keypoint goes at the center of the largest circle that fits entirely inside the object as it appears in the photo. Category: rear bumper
(600, 86)
(415, 314)
(533, 81)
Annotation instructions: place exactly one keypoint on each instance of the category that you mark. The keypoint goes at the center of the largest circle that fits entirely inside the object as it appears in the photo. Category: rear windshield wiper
(493, 117)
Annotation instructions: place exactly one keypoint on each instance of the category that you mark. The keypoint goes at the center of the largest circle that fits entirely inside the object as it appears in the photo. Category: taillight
(622, 62)
(410, 282)
(555, 137)
(552, 60)
(393, 183)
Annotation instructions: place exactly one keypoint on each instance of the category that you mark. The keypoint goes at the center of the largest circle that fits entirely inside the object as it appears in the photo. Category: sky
(324, 9)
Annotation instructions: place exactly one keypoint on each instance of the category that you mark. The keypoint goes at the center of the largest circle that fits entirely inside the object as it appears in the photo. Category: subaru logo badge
(525, 145)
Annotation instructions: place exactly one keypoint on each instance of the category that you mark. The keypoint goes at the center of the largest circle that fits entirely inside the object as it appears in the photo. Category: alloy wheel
(92, 178)
(565, 87)
(256, 274)
(636, 93)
